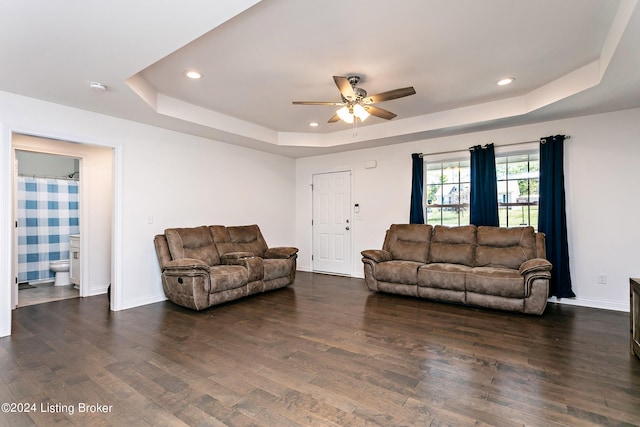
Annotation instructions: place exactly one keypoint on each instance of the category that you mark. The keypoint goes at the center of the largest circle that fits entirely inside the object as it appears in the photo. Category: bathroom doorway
(56, 185)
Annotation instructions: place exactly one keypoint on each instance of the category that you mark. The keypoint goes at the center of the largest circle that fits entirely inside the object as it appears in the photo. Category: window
(448, 190)
(518, 178)
(447, 193)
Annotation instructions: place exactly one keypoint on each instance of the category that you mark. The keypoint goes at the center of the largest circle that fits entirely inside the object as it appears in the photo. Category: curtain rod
(47, 177)
(503, 145)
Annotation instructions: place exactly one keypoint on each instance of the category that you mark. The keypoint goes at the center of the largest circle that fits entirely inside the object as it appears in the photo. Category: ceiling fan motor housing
(360, 95)
(353, 80)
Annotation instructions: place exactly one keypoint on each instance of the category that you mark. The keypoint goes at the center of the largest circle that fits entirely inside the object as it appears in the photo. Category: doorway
(331, 223)
(90, 226)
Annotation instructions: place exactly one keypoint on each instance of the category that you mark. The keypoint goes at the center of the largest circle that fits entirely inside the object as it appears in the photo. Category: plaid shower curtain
(47, 215)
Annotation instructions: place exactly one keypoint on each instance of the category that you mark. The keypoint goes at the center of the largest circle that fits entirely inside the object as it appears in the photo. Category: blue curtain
(484, 186)
(416, 215)
(552, 218)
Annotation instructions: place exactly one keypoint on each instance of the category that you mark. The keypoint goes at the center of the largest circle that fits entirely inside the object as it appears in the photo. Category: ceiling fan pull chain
(355, 126)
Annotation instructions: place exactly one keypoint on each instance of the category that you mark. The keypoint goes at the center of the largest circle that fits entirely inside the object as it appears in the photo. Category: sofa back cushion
(408, 242)
(453, 245)
(195, 242)
(242, 238)
(505, 247)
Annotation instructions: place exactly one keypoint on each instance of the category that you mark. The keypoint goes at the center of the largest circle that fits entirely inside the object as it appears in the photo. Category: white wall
(177, 179)
(601, 162)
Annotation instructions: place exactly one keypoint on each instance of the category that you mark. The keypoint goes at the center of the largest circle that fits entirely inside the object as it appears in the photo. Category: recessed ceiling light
(505, 81)
(193, 74)
(314, 124)
(97, 86)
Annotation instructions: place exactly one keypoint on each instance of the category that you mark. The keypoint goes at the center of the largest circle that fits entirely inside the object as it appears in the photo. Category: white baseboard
(142, 301)
(99, 290)
(592, 303)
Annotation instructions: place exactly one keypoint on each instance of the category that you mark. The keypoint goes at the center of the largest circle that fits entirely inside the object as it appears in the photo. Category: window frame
(514, 204)
(458, 207)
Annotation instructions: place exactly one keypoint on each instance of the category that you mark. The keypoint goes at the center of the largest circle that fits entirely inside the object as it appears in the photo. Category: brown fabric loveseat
(501, 268)
(208, 265)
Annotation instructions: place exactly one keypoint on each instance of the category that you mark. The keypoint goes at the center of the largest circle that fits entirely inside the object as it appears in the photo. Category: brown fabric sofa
(501, 268)
(208, 265)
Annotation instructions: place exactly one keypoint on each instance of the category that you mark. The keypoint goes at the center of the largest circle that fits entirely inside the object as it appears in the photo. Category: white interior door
(332, 223)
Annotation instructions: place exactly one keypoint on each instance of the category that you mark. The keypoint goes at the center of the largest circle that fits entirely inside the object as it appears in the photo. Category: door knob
(347, 227)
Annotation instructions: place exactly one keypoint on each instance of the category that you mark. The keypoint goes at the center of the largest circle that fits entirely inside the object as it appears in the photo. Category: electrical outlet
(602, 279)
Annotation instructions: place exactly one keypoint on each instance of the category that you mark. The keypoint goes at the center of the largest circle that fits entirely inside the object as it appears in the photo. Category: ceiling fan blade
(345, 88)
(379, 112)
(392, 94)
(316, 103)
(334, 118)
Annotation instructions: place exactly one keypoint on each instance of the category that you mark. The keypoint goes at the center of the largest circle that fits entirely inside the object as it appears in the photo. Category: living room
(149, 164)
(167, 178)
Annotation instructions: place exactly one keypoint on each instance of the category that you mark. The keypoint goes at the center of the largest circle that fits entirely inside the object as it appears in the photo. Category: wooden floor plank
(323, 352)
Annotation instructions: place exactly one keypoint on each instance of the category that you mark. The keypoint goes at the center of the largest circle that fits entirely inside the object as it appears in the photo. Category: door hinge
(16, 224)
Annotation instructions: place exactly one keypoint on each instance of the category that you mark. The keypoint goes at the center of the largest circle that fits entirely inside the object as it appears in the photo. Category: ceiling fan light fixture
(345, 115)
(360, 112)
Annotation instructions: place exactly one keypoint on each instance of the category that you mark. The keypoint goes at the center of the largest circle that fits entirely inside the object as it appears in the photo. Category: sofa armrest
(283, 252)
(534, 265)
(235, 255)
(185, 264)
(253, 264)
(377, 255)
(536, 270)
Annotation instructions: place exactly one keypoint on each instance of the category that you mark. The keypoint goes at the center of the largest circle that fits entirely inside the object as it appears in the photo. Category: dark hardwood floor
(324, 352)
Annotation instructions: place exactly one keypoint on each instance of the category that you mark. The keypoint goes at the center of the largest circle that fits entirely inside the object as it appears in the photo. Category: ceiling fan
(355, 102)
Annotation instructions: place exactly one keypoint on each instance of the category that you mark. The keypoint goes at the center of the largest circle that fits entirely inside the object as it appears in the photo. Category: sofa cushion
(403, 272)
(242, 238)
(496, 281)
(505, 247)
(225, 277)
(443, 276)
(453, 245)
(408, 242)
(195, 242)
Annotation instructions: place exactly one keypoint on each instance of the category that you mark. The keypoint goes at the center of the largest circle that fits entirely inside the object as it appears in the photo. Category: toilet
(61, 268)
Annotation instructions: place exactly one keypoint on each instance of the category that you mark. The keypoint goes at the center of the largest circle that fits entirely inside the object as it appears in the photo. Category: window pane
(434, 174)
(465, 171)
(502, 216)
(434, 194)
(434, 215)
(534, 190)
(465, 193)
(501, 168)
(450, 216)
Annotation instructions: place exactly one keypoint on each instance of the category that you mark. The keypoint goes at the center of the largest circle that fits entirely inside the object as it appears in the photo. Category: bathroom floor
(45, 292)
